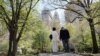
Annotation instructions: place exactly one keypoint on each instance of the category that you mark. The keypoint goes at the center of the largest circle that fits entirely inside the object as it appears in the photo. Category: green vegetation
(31, 35)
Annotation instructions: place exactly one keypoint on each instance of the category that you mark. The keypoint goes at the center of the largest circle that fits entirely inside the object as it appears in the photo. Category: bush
(3, 46)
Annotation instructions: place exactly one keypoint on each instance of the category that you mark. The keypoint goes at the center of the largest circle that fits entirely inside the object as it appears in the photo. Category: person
(64, 36)
(50, 36)
(55, 40)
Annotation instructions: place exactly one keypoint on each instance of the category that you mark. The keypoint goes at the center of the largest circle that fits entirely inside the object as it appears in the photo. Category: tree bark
(14, 45)
(12, 40)
(10, 46)
(92, 28)
(14, 49)
(10, 43)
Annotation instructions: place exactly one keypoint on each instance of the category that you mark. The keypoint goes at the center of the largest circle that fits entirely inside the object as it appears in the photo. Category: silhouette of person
(64, 36)
(55, 40)
(50, 36)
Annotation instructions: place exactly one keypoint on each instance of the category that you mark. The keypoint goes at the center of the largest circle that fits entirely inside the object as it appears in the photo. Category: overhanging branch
(75, 12)
(96, 23)
(35, 3)
(18, 10)
(12, 7)
(3, 9)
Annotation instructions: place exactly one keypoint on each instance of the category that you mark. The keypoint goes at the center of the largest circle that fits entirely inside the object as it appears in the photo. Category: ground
(58, 54)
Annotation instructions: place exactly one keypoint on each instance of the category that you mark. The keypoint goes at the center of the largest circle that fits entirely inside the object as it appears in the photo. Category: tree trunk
(12, 42)
(10, 46)
(14, 48)
(11, 36)
(92, 28)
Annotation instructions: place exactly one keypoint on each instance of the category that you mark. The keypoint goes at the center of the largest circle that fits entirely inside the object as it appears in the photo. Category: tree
(97, 24)
(90, 15)
(11, 14)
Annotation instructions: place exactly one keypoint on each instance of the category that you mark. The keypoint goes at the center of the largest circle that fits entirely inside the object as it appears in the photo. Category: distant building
(46, 17)
(56, 21)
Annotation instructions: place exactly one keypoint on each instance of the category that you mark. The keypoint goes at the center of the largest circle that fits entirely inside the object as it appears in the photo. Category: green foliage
(3, 29)
(3, 37)
(3, 45)
(1, 2)
(80, 36)
(71, 29)
(34, 35)
(41, 42)
(86, 44)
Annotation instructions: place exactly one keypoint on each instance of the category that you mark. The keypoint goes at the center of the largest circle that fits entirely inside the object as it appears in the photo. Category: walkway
(58, 54)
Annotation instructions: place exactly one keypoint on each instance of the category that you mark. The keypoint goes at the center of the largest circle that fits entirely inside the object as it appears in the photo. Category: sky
(45, 3)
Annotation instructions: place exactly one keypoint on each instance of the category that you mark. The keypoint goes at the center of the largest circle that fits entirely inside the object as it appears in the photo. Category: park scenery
(49, 27)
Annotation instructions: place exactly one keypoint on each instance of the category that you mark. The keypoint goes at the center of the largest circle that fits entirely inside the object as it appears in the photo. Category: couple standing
(64, 37)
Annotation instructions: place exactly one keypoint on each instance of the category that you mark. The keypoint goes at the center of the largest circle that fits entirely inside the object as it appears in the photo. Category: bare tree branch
(76, 12)
(26, 18)
(7, 17)
(85, 3)
(12, 7)
(75, 19)
(5, 21)
(91, 2)
(95, 10)
(18, 10)
(96, 16)
(24, 4)
(2, 17)
(81, 4)
(88, 3)
(56, 5)
(35, 3)
(96, 23)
